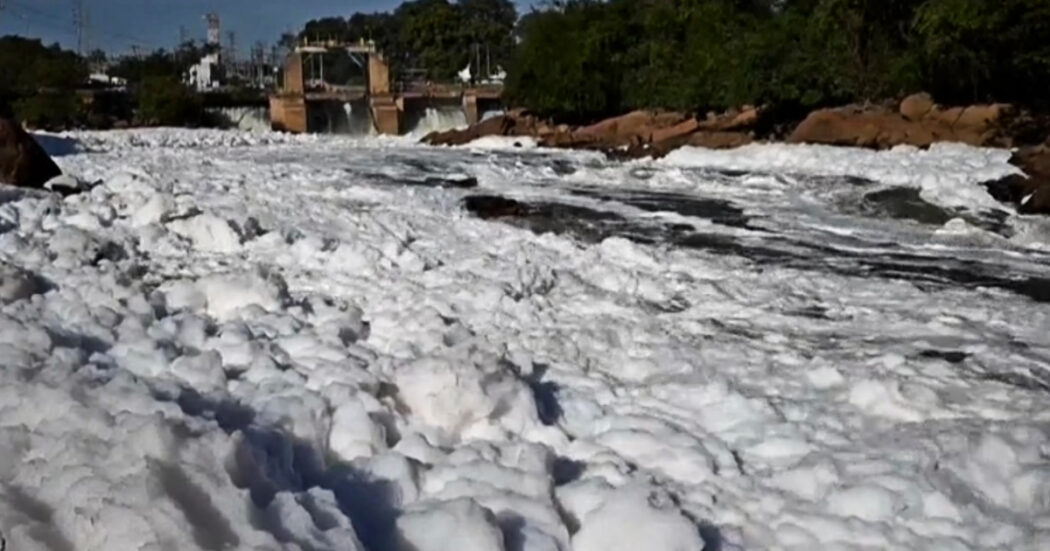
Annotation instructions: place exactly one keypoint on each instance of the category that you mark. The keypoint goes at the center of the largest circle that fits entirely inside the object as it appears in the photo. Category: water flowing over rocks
(915, 121)
(636, 134)
(1030, 191)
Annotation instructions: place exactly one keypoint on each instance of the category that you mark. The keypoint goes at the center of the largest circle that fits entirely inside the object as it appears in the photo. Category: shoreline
(915, 121)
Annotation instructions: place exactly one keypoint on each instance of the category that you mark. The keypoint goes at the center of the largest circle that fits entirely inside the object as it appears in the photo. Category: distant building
(206, 75)
(102, 79)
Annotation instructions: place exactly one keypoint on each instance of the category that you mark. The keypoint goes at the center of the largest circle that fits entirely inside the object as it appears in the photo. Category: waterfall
(249, 119)
(436, 119)
(358, 120)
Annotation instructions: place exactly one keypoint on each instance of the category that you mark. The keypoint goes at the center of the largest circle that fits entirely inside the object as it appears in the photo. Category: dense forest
(586, 58)
(583, 59)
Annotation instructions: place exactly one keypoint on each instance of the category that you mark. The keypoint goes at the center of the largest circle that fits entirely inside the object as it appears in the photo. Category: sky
(117, 25)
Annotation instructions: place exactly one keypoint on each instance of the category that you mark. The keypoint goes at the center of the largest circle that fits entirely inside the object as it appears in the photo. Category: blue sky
(117, 24)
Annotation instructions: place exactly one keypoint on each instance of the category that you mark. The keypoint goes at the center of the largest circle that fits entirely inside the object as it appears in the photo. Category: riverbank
(914, 121)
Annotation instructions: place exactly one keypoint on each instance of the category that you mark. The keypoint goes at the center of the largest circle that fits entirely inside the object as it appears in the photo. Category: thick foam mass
(262, 341)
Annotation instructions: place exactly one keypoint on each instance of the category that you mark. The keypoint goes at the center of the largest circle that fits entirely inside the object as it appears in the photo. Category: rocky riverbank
(915, 121)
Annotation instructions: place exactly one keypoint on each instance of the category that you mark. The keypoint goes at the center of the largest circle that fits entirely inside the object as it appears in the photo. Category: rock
(838, 127)
(746, 118)
(720, 139)
(634, 128)
(880, 127)
(458, 182)
(981, 117)
(488, 207)
(916, 106)
(23, 162)
(1030, 192)
(513, 123)
(675, 132)
(496, 126)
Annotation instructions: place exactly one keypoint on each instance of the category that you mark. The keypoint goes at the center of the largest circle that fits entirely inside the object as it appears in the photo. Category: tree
(974, 50)
(165, 101)
(40, 82)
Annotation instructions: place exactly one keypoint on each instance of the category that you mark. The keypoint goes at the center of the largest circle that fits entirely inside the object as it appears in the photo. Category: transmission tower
(214, 30)
(79, 23)
(258, 62)
(231, 53)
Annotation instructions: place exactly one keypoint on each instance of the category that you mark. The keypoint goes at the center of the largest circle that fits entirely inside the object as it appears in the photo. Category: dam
(306, 103)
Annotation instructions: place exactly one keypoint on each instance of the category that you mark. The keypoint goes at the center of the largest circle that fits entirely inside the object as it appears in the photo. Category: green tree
(40, 82)
(165, 101)
(974, 50)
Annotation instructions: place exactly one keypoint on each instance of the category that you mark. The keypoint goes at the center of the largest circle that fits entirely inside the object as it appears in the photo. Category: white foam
(948, 174)
(252, 341)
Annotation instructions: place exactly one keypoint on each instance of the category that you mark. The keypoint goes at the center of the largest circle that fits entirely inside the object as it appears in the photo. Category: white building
(104, 79)
(206, 74)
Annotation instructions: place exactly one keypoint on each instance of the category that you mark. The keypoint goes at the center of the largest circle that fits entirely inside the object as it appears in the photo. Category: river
(364, 343)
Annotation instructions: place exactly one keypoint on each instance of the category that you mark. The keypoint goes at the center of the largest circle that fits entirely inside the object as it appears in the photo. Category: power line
(24, 13)
(60, 23)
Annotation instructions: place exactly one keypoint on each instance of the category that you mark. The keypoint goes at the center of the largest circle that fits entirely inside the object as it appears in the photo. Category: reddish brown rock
(916, 106)
(745, 118)
(495, 126)
(880, 127)
(720, 140)
(846, 126)
(23, 162)
(634, 128)
(665, 135)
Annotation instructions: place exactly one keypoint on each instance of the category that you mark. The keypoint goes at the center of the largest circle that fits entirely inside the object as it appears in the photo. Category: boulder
(676, 132)
(636, 127)
(1029, 191)
(721, 139)
(916, 106)
(881, 127)
(745, 118)
(844, 126)
(513, 123)
(23, 162)
(495, 126)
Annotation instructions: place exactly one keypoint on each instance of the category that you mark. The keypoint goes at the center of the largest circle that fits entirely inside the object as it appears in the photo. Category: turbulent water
(434, 119)
(249, 119)
(256, 341)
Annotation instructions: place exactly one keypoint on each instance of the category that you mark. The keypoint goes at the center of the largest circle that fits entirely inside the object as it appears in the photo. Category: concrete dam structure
(305, 103)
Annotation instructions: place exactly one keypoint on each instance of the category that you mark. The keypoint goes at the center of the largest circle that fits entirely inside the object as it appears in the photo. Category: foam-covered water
(255, 341)
(248, 119)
